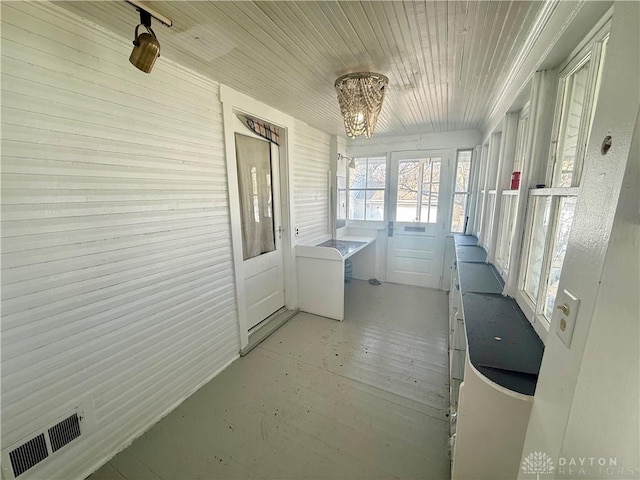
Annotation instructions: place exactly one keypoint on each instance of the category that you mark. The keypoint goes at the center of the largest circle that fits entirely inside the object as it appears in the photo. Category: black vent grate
(28, 454)
(64, 432)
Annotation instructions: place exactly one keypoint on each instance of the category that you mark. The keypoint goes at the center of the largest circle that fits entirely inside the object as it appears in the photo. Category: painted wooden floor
(361, 399)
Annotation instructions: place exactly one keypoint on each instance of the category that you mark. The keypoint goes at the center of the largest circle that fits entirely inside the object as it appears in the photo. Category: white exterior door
(259, 194)
(417, 207)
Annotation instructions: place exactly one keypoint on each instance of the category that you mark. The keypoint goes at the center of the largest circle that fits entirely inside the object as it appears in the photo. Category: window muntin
(366, 189)
(418, 190)
(461, 190)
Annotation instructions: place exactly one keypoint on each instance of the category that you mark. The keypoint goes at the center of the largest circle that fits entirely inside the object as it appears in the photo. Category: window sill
(545, 192)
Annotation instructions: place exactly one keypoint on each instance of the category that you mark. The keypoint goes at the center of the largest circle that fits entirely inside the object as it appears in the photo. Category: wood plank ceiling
(446, 61)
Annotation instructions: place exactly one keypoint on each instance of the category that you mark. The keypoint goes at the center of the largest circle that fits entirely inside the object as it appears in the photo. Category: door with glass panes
(259, 195)
(417, 211)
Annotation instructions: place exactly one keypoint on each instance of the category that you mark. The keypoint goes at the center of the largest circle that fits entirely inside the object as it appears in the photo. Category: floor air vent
(64, 432)
(28, 454)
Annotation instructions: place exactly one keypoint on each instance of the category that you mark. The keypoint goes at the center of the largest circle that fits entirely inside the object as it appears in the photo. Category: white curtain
(253, 157)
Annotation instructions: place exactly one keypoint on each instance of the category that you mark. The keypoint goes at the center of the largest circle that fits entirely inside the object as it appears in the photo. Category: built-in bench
(495, 357)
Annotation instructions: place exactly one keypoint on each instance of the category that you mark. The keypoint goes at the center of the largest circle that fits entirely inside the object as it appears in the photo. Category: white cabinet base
(491, 427)
(321, 286)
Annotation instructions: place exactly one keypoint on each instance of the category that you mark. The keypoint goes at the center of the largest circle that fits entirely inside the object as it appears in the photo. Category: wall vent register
(30, 453)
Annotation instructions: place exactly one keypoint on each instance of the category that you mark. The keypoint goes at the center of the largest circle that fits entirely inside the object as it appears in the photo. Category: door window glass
(253, 158)
(418, 190)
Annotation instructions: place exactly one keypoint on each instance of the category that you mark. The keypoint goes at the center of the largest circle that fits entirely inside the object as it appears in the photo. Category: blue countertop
(479, 278)
(471, 253)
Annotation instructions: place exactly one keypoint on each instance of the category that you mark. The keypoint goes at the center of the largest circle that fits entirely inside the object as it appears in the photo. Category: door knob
(564, 308)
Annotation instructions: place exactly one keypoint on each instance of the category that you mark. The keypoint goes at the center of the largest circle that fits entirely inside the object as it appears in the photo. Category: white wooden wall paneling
(117, 280)
(311, 182)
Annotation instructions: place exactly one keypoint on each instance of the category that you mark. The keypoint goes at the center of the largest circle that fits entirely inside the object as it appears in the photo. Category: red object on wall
(515, 180)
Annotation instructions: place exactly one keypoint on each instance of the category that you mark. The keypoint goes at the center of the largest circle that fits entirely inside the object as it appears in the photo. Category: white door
(415, 243)
(259, 193)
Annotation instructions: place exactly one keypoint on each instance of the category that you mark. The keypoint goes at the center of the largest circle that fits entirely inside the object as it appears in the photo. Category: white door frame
(444, 196)
(235, 102)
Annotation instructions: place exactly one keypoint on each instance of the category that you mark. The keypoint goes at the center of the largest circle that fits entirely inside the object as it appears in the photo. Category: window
(574, 93)
(510, 198)
(418, 190)
(551, 210)
(461, 191)
(578, 90)
(488, 221)
(479, 193)
(547, 240)
(521, 140)
(567, 207)
(479, 213)
(541, 208)
(366, 188)
(256, 195)
(489, 191)
(341, 207)
(508, 212)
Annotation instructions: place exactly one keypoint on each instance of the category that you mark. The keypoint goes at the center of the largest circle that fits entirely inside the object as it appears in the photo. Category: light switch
(565, 314)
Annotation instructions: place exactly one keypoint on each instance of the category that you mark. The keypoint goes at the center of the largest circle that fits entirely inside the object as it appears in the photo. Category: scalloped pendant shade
(360, 96)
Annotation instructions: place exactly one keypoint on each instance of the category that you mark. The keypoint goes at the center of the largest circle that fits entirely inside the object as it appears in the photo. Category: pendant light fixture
(360, 96)
(146, 47)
